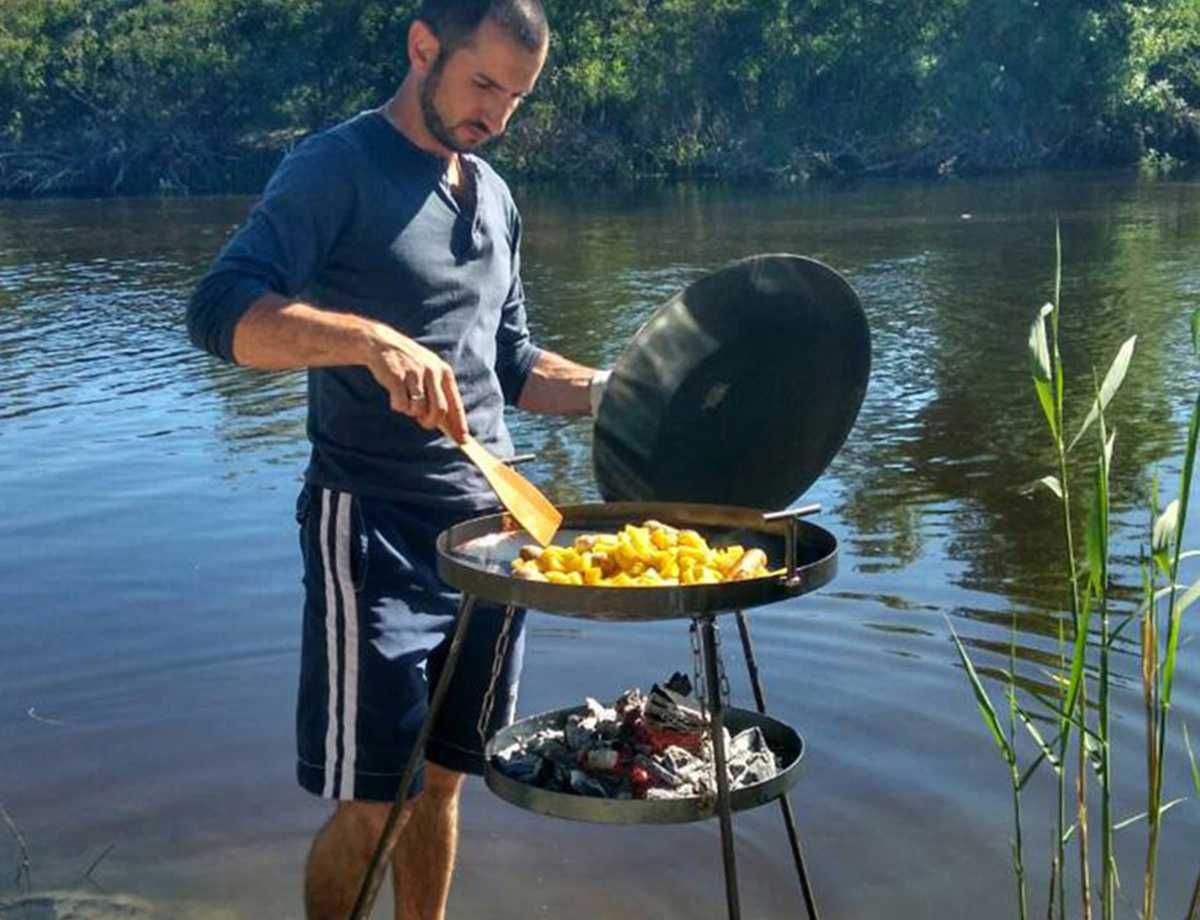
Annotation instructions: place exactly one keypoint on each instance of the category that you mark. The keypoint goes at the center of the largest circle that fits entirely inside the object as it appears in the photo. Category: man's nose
(497, 115)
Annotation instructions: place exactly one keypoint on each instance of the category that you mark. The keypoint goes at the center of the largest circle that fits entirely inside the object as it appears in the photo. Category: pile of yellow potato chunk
(651, 555)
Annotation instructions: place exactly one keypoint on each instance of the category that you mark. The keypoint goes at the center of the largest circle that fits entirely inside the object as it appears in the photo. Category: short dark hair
(455, 21)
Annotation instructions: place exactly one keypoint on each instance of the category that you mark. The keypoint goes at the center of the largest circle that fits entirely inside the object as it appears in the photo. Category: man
(383, 256)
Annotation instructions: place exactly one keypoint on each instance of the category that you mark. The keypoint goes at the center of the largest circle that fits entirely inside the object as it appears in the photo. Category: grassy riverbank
(129, 96)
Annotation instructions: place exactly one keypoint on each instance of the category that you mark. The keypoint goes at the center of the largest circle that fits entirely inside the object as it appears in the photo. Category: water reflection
(951, 278)
(143, 473)
(950, 275)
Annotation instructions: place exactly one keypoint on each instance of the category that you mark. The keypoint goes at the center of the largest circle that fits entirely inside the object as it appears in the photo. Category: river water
(149, 579)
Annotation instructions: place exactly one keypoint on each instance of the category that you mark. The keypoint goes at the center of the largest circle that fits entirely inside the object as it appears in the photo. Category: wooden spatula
(531, 508)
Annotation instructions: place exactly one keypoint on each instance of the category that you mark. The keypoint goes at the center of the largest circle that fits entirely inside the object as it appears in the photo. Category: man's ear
(423, 47)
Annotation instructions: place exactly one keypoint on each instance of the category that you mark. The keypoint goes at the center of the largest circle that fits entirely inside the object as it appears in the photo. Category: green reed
(1093, 615)
(1158, 659)
(1194, 909)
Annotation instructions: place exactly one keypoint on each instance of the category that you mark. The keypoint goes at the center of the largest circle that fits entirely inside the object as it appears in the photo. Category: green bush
(122, 95)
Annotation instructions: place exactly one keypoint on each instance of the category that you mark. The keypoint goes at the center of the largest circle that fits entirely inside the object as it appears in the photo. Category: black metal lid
(740, 390)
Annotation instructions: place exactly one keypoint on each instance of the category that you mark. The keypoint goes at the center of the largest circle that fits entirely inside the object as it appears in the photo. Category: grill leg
(712, 678)
(388, 837)
(789, 819)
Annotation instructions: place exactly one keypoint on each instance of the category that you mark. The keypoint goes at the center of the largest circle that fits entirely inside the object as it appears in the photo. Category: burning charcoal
(582, 729)
(561, 778)
(629, 703)
(679, 683)
(668, 709)
(749, 744)
(522, 766)
(584, 784)
(542, 739)
(605, 759)
(680, 761)
(751, 772)
(651, 746)
(750, 760)
(556, 750)
(660, 774)
(694, 772)
(600, 712)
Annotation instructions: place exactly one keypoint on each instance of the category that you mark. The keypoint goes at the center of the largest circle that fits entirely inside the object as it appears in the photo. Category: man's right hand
(419, 383)
(279, 334)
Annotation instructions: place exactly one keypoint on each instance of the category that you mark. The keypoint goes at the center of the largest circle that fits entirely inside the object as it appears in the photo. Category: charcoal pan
(782, 739)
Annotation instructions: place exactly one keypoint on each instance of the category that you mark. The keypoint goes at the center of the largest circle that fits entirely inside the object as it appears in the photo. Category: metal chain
(722, 677)
(489, 698)
(698, 686)
(707, 797)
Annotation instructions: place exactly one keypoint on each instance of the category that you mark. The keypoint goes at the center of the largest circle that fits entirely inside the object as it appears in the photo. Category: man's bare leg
(423, 862)
(340, 856)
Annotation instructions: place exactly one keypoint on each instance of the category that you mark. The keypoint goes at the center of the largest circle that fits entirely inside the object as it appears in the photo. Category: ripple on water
(149, 569)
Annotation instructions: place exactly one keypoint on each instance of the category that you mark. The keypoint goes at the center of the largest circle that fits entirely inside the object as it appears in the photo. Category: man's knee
(359, 824)
(441, 783)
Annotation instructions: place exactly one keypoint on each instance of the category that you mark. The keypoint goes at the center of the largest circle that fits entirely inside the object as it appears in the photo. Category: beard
(434, 123)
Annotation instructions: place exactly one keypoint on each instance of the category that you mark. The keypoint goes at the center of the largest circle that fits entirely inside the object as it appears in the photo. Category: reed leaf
(1031, 770)
(1096, 537)
(1108, 389)
(1141, 816)
(1079, 652)
(1094, 746)
(1039, 355)
(1189, 465)
(1051, 706)
(1159, 595)
(1192, 759)
(1058, 375)
(1057, 262)
(1162, 537)
(1109, 876)
(986, 710)
(1162, 700)
(1189, 596)
(1045, 755)
(1046, 750)
(1066, 719)
(1051, 483)
(1039, 345)
(1120, 628)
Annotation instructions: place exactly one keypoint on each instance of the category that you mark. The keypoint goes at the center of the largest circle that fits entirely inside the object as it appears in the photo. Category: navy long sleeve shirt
(358, 219)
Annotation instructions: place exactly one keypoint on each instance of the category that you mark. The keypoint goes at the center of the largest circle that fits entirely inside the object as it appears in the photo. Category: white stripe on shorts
(350, 661)
(331, 722)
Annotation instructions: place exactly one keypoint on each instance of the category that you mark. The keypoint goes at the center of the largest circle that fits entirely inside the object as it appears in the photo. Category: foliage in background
(123, 95)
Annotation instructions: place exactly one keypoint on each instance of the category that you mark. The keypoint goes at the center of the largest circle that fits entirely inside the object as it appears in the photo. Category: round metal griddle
(739, 390)
(783, 741)
(476, 556)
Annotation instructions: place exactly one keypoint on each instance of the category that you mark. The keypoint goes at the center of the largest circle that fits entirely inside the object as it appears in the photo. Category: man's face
(470, 94)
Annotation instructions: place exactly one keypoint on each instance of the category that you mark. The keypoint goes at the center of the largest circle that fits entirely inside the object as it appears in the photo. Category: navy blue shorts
(377, 626)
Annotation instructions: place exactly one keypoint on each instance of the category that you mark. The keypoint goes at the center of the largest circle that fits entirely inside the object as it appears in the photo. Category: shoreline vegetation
(1074, 709)
(118, 97)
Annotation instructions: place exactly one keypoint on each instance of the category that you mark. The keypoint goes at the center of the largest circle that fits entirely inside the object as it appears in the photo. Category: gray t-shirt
(360, 220)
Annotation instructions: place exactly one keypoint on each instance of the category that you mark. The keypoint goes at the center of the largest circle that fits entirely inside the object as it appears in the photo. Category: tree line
(127, 96)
